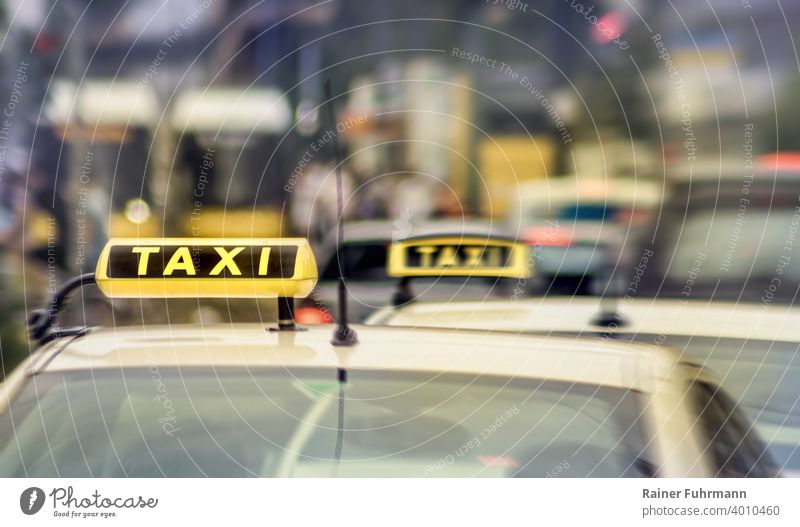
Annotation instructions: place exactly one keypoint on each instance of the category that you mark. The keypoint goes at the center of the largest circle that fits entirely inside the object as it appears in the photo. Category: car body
(365, 254)
(727, 236)
(237, 400)
(753, 348)
(578, 226)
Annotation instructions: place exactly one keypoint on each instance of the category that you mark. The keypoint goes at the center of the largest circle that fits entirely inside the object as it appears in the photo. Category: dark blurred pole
(474, 39)
(562, 50)
(77, 145)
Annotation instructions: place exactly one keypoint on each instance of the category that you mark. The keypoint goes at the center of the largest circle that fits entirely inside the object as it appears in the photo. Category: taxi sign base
(403, 295)
(286, 316)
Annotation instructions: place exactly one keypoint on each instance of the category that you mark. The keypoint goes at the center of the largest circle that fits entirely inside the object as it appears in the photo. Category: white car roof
(670, 316)
(559, 191)
(586, 360)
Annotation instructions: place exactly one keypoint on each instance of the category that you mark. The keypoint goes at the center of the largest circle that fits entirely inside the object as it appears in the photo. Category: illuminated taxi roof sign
(459, 256)
(200, 267)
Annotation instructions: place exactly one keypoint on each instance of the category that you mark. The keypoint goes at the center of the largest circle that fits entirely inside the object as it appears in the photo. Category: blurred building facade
(204, 117)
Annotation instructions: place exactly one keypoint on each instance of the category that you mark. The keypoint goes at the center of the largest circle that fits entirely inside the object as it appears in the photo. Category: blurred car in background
(726, 235)
(578, 226)
(364, 259)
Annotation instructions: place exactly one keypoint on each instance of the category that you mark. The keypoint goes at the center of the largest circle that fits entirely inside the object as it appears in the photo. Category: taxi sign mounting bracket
(286, 317)
(403, 294)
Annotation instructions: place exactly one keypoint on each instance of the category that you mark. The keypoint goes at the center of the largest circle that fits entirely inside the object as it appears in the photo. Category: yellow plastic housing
(218, 268)
(459, 256)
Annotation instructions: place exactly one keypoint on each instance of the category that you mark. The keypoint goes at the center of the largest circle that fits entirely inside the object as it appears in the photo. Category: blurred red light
(609, 27)
(780, 161)
(498, 461)
(548, 236)
(44, 43)
(312, 315)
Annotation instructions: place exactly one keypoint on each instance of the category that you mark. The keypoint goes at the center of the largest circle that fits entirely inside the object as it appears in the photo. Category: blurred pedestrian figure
(373, 197)
(413, 196)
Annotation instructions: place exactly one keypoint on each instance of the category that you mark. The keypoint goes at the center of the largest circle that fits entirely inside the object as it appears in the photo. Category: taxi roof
(670, 316)
(572, 359)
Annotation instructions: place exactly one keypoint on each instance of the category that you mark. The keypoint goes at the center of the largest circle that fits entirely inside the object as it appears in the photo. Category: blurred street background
(566, 122)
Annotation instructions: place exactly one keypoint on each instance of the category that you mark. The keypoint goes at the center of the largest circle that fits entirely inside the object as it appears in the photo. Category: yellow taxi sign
(459, 256)
(206, 268)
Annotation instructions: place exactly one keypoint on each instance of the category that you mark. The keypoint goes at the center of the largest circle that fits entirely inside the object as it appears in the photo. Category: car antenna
(343, 335)
(609, 317)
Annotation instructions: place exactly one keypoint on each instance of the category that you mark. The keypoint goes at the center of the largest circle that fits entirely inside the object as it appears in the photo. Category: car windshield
(363, 261)
(575, 212)
(586, 212)
(278, 422)
(725, 246)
